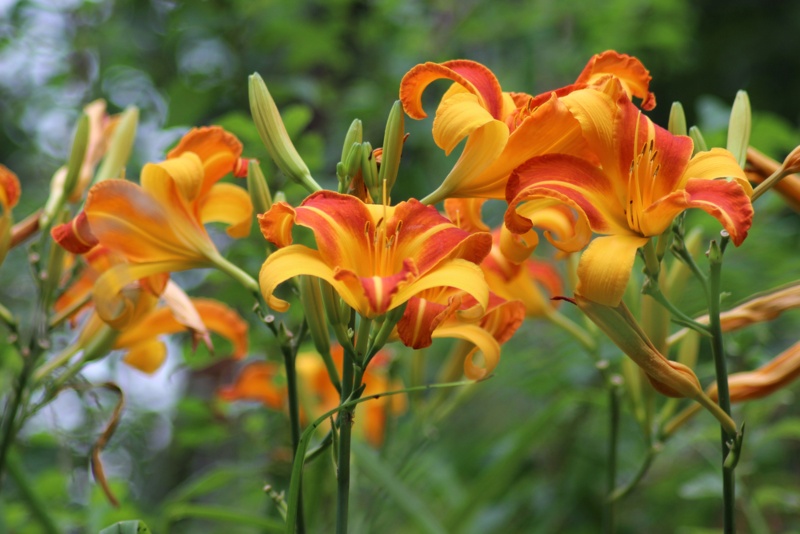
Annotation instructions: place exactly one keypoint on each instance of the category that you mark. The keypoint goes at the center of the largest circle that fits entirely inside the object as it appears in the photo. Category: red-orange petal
(628, 69)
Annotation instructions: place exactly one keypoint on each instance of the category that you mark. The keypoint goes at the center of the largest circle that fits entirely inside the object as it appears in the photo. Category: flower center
(642, 175)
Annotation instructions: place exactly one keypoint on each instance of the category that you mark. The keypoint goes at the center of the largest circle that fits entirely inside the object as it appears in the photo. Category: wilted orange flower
(158, 227)
(376, 257)
(505, 129)
(646, 178)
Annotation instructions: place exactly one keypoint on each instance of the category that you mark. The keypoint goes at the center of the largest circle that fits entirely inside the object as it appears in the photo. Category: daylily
(376, 257)
(450, 313)
(9, 196)
(504, 129)
(508, 270)
(646, 177)
(158, 226)
(149, 319)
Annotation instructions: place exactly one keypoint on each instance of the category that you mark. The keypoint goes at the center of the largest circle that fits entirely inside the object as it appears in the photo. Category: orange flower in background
(264, 382)
(9, 196)
(503, 129)
(376, 257)
(646, 178)
(158, 227)
(261, 382)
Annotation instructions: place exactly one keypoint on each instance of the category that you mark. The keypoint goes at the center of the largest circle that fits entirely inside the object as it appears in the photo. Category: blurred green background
(524, 451)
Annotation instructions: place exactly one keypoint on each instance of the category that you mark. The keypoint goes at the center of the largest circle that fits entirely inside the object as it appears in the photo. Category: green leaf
(372, 466)
(127, 527)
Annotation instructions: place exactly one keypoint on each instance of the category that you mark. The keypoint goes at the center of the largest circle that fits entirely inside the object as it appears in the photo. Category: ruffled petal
(276, 224)
(628, 69)
(572, 181)
(550, 128)
(231, 205)
(473, 76)
(725, 201)
(421, 317)
(459, 274)
(716, 163)
(484, 342)
(456, 118)
(605, 268)
(466, 213)
(184, 173)
(483, 147)
(219, 151)
(295, 260)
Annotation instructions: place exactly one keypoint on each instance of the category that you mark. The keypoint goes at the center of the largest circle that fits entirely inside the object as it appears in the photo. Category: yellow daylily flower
(376, 257)
(158, 226)
(646, 177)
(504, 129)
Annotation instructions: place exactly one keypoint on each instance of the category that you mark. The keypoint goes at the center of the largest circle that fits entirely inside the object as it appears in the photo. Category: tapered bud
(677, 119)
(120, 146)
(369, 172)
(739, 127)
(273, 133)
(392, 146)
(65, 179)
(258, 188)
(354, 135)
(314, 309)
(700, 144)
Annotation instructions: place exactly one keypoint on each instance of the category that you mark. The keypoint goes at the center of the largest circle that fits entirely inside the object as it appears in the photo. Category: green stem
(10, 415)
(236, 273)
(36, 504)
(297, 467)
(720, 366)
(622, 491)
(580, 335)
(613, 441)
(289, 351)
(677, 315)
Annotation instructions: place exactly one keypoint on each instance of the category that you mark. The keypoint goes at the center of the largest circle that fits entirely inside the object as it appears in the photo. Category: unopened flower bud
(739, 127)
(354, 135)
(258, 188)
(677, 119)
(120, 146)
(700, 144)
(314, 309)
(392, 146)
(276, 139)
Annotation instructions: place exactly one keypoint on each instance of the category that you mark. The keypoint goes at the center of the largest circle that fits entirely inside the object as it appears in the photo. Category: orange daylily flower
(504, 129)
(376, 257)
(508, 270)
(158, 226)
(9, 196)
(263, 382)
(646, 178)
(450, 313)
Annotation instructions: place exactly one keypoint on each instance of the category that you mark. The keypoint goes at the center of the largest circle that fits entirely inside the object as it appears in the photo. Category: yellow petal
(231, 205)
(605, 268)
(483, 341)
(146, 356)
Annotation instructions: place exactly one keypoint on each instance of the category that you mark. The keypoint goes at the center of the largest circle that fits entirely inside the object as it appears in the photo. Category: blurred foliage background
(525, 451)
